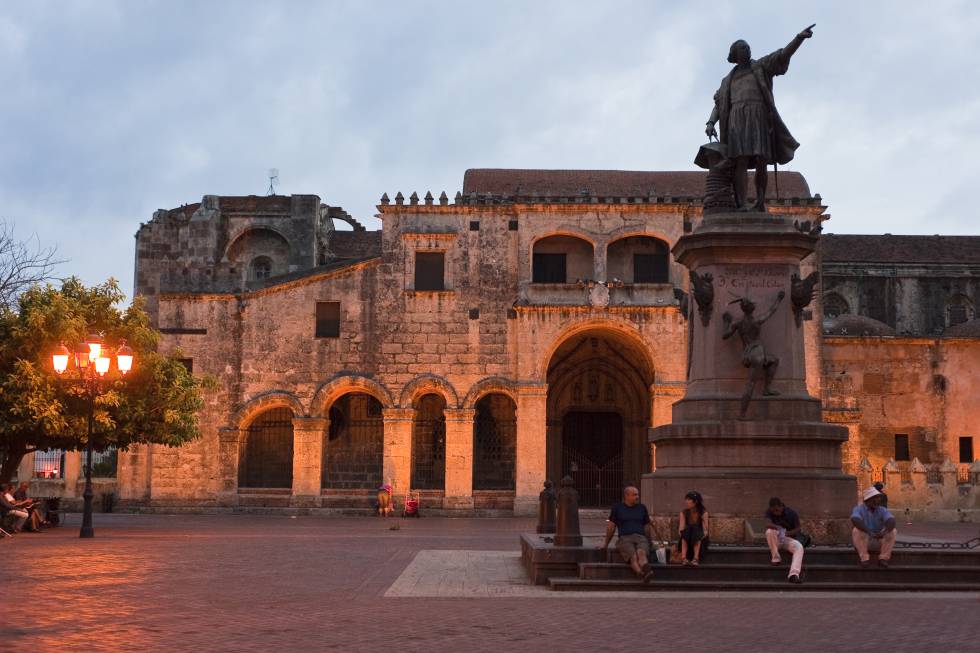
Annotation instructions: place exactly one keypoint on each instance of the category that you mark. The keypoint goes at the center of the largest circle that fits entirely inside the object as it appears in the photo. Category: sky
(113, 109)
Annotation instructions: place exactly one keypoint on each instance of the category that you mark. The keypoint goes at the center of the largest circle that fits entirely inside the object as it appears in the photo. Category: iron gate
(266, 454)
(592, 454)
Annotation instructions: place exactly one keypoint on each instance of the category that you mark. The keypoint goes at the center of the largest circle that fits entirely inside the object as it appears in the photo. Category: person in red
(632, 519)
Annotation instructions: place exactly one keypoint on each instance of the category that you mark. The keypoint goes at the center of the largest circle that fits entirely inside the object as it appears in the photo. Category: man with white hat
(874, 529)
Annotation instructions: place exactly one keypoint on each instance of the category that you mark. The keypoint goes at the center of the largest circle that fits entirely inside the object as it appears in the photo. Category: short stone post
(865, 475)
(567, 530)
(892, 476)
(947, 472)
(547, 505)
(918, 474)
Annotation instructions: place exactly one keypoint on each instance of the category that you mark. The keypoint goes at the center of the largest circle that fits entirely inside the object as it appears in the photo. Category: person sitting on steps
(782, 527)
(632, 520)
(874, 529)
(693, 529)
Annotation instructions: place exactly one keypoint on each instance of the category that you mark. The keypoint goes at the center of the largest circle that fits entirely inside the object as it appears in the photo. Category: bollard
(547, 501)
(567, 530)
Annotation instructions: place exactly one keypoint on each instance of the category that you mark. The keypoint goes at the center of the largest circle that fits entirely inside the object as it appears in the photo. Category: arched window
(261, 267)
(429, 444)
(959, 310)
(562, 259)
(639, 259)
(494, 443)
(265, 458)
(834, 305)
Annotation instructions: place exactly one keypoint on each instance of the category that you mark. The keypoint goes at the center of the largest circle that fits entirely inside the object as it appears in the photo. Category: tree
(157, 402)
(22, 264)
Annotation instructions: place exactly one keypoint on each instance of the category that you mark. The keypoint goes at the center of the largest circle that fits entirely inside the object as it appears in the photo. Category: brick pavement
(247, 582)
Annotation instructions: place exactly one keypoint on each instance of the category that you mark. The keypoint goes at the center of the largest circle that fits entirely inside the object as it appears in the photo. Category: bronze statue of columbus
(752, 133)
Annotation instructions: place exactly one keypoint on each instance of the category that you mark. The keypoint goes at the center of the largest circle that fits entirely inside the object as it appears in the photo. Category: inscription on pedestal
(739, 278)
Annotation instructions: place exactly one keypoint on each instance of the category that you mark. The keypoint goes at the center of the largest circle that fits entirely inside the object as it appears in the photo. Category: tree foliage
(157, 402)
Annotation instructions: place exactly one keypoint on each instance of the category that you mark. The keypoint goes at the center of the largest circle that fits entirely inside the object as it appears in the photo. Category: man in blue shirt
(632, 520)
(874, 529)
(782, 526)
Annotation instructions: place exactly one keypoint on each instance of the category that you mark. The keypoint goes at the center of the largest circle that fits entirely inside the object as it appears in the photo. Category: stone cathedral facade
(535, 325)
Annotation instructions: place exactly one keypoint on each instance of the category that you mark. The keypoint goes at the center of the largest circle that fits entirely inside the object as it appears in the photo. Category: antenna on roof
(273, 180)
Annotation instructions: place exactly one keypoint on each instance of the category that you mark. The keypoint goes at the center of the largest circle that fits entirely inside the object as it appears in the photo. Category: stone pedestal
(780, 447)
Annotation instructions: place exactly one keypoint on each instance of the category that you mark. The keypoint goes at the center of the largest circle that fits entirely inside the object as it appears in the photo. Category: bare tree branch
(22, 263)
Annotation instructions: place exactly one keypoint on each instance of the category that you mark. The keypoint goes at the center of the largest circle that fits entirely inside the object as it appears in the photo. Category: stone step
(851, 573)
(581, 585)
(840, 556)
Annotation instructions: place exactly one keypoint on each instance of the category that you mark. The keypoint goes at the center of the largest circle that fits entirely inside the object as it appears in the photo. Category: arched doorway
(494, 442)
(429, 443)
(599, 414)
(265, 458)
(353, 449)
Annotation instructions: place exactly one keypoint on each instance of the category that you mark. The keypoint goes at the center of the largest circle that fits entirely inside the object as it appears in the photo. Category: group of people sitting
(21, 511)
(873, 529)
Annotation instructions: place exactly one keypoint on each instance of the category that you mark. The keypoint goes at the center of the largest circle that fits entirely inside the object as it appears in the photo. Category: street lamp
(92, 362)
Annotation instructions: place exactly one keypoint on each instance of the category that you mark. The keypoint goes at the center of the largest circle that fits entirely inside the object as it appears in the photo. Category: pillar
(25, 471)
(398, 448)
(532, 441)
(74, 468)
(229, 443)
(308, 435)
(459, 458)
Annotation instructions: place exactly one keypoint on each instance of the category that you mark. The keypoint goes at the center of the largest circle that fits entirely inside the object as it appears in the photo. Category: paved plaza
(270, 582)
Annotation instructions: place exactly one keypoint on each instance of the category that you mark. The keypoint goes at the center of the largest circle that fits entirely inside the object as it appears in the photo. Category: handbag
(803, 539)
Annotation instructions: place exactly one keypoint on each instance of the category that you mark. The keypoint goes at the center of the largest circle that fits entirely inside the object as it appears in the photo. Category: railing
(963, 473)
(49, 464)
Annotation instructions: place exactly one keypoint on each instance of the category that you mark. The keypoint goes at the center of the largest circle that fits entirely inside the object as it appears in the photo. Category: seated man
(9, 506)
(782, 525)
(632, 520)
(874, 529)
(33, 508)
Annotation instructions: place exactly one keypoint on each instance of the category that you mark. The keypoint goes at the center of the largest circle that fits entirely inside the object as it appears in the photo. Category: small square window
(512, 225)
(430, 269)
(902, 447)
(548, 268)
(327, 320)
(966, 449)
(188, 364)
(474, 314)
(474, 225)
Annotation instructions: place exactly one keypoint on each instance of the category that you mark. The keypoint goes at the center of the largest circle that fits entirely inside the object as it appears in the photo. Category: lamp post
(92, 363)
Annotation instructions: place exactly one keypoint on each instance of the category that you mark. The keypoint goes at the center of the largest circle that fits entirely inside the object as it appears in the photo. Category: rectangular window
(549, 268)
(957, 314)
(430, 269)
(188, 364)
(328, 319)
(104, 464)
(966, 449)
(902, 447)
(650, 268)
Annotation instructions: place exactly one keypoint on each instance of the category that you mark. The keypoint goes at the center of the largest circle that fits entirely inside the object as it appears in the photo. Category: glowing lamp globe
(102, 365)
(60, 358)
(124, 357)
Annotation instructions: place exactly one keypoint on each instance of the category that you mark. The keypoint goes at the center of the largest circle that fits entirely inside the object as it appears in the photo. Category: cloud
(119, 108)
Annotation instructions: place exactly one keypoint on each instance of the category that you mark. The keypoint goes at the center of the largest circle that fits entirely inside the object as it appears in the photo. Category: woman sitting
(693, 529)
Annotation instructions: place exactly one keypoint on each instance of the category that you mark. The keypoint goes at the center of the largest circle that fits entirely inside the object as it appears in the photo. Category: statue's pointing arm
(777, 63)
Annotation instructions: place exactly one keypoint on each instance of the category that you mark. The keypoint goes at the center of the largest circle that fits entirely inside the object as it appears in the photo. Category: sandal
(695, 563)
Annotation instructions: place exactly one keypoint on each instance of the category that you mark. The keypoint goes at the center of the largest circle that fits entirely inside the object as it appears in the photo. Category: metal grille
(494, 443)
(266, 454)
(354, 451)
(592, 454)
(104, 464)
(49, 464)
(429, 444)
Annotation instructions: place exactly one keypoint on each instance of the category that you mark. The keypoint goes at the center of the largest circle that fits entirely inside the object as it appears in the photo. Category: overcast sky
(111, 110)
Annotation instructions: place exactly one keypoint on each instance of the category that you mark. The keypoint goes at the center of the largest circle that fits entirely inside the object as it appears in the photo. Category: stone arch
(630, 232)
(577, 252)
(623, 262)
(834, 305)
(264, 401)
(959, 309)
(426, 384)
(489, 385)
(257, 242)
(332, 389)
(568, 231)
(609, 324)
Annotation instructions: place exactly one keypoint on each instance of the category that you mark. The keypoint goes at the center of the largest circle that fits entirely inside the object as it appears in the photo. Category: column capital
(532, 389)
(398, 414)
(459, 414)
(311, 423)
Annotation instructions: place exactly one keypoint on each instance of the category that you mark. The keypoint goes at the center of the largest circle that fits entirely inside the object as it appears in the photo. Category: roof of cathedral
(855, 325)
(610, 183)
(969, 329)
(886, 248)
